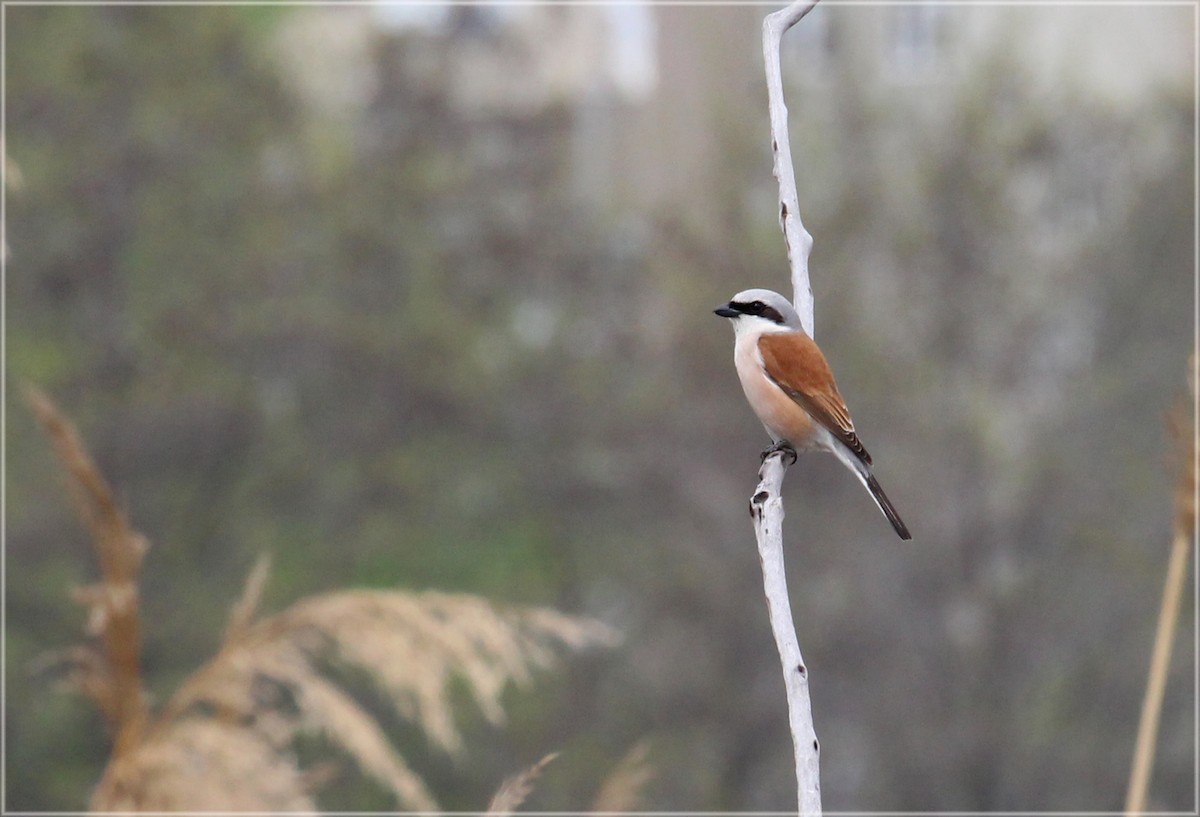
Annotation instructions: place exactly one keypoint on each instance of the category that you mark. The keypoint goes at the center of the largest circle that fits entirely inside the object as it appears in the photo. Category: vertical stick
(799, 241)
(1160, 662)
(766, 506)
(1183, 430)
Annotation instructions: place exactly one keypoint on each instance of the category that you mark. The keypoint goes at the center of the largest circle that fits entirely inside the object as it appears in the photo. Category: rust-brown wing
(796, 365)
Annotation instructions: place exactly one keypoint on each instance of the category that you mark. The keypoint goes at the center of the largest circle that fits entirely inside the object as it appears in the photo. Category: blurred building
(649, 88)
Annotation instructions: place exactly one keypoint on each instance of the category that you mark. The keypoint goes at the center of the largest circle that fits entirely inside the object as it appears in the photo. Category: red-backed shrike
(791, 389)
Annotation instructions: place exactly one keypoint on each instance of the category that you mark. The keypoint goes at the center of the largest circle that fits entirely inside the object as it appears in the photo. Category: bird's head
(761, 310)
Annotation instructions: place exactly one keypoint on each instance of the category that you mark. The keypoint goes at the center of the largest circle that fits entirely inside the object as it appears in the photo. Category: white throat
(747, 325)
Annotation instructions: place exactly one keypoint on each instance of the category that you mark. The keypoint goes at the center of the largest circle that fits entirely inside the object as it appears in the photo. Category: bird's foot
(780, 447)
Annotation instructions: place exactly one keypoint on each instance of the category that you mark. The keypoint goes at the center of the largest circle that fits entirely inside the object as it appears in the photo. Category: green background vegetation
(370, 347)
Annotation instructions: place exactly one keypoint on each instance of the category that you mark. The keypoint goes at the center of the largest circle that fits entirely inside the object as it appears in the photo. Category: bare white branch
(766, 506)
(799, 242)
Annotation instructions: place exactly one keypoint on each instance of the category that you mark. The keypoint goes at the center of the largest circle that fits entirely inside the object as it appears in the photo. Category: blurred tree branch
(766, 505)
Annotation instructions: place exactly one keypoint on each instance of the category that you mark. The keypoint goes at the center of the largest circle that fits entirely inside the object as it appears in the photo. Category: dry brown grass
(1182, 435)
(109, 672)
(410, 644)
(623, 789)
(224, 740)
(513, 791)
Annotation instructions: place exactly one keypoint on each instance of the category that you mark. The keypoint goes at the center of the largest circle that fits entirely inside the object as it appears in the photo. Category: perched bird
(791, 389)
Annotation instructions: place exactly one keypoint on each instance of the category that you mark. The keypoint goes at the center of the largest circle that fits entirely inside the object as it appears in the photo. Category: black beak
(726, 311)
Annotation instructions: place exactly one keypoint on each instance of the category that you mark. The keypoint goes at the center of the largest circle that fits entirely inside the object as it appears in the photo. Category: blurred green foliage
(263, 360)
(376, 350)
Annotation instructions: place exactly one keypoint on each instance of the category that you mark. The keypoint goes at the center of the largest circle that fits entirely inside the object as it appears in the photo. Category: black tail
(885, 505)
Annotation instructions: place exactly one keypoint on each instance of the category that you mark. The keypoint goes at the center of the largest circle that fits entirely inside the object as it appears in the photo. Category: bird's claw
(780, 447)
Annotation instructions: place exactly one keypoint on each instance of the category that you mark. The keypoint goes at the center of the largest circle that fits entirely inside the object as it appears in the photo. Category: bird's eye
(757, 307)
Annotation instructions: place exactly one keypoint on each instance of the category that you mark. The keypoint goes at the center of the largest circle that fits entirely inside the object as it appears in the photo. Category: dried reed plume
(620, 792)
(514, 790)
(1182, 433)
(622, 789)
(224, 741)
(108, 673)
